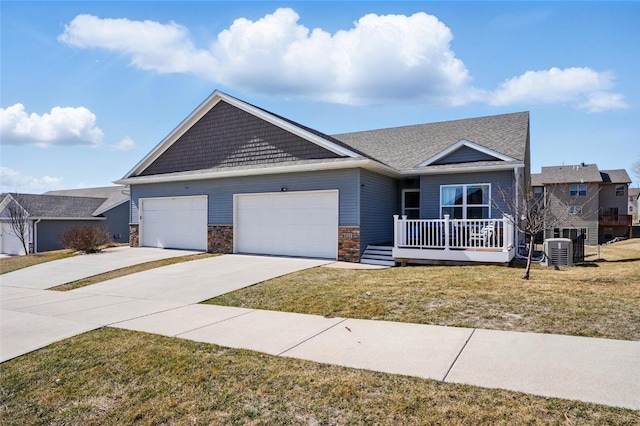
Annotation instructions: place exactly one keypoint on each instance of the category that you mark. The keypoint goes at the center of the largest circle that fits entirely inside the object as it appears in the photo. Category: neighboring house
(50, 214)
(235, 178)
(634, 204)
(592, 202)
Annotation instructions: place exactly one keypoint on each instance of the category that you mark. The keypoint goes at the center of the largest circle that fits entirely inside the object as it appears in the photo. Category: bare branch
(539, 211)
(635, 168)
(19, 221)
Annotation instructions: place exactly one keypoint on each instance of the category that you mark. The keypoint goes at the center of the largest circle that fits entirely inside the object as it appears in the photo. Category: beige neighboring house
(634, 205)
(596, 201)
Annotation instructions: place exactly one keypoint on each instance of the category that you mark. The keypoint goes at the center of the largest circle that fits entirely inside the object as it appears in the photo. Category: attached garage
(174, 222)
(9, 242)
(302, 224)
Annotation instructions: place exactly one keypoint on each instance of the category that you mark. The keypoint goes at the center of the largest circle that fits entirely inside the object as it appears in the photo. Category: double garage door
(303, 224)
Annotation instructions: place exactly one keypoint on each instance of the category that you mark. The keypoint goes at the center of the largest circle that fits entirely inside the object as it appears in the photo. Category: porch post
(396, 230)
(446, 232)
(509, 232)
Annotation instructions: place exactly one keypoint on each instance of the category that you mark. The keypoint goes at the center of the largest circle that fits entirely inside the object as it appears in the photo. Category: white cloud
(14, 181)
(164, 48)
(580, 87)
(61, 126)
(125, 144)
(603, 101)
(381, 58)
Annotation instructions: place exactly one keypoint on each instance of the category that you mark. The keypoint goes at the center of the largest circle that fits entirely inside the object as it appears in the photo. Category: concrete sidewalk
(162, 301)
(601, 371)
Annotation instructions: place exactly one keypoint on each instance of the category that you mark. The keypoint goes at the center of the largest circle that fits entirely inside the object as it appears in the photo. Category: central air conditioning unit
(558, 252)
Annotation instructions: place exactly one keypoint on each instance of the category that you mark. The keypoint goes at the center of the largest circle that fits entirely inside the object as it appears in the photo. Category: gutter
(363, 163)
(35, 235)
(449, 170)
(70, 218)
(349, 164)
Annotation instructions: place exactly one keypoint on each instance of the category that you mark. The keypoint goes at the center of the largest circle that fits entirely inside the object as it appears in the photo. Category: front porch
(453, 241)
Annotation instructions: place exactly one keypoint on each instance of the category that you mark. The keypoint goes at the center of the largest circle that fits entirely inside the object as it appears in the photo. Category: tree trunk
(529, 256)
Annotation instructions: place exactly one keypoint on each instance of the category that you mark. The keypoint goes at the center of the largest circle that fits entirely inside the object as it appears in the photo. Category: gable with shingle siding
(227, 136)
(464, 154)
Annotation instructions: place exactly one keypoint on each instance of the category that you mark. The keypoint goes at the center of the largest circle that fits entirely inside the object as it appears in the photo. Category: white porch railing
(454, 234)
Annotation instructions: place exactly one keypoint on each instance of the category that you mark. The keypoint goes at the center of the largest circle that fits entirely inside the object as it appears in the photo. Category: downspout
(517, 180)
(35, 235)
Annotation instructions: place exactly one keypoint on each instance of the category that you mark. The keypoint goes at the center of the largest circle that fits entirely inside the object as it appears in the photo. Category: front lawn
(601, 298)
(116, 377)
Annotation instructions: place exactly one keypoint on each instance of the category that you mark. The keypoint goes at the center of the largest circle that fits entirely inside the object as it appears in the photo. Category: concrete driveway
(31, 318)
(193, 282)
(163, 301)
(51, 274)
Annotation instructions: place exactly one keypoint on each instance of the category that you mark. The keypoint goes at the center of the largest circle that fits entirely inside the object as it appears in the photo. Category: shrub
(86, 238)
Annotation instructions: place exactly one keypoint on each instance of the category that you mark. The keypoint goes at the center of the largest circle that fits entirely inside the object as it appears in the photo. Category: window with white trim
(538, 192)
(572, 233)
(575, 209)
(471, 201)
(579, 189)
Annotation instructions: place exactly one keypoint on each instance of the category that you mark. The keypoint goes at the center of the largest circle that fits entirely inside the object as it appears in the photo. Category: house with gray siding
(50, 214)
(587, 201)
(235, 178)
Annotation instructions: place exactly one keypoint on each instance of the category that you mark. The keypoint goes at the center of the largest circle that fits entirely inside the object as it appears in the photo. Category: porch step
(378, 255)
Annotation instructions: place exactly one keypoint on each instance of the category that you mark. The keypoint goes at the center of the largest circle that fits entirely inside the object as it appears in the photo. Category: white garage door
(9, 242)
(174, 222)
(303, 224)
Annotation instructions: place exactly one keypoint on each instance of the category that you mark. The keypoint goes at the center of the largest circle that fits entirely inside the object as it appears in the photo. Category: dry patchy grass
(129, 270)
(113, 377)
(13, 263)
(598, 299)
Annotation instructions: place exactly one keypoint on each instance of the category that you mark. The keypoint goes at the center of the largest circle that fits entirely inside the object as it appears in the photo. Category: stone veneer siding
(349, 243)
(220, 238)
(133, 235)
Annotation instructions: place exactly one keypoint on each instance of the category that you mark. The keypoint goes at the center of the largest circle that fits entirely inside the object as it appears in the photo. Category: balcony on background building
(614, 220)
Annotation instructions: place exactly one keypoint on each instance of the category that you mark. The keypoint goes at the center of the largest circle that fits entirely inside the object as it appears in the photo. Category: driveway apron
(58, 272)
(32, 318)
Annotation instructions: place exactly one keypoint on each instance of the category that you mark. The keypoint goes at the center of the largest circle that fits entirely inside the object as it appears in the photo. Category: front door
(411, 203)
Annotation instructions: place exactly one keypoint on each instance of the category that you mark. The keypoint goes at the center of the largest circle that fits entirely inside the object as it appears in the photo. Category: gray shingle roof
(581, 173)
(536, 179)
(113, 195)
(58, 206)
(405, 147)
(615, 176)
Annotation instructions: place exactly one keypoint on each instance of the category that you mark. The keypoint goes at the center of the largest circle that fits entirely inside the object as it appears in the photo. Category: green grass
(13, 263)
(114, 377)
(598, 299)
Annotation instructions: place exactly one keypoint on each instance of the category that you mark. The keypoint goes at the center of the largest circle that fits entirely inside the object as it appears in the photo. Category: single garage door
(9, 242)
(303, 224)
(174, 222)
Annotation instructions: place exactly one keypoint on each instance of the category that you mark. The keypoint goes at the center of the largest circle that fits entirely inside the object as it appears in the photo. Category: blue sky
(89, 88)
